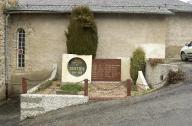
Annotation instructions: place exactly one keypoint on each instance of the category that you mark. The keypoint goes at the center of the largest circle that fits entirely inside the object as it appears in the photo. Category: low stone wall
(156, 75)
(36, 104)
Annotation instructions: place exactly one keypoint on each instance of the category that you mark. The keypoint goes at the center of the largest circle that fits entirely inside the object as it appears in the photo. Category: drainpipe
(6, 55)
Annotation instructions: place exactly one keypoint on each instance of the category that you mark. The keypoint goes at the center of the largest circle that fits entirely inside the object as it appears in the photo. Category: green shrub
(174, 77)
(82, 37)
(71, 88)
(137, 64)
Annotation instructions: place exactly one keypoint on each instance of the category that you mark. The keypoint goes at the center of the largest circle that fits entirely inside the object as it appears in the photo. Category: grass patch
(71, 88)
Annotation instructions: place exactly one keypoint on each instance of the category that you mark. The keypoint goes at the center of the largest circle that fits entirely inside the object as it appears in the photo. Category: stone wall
(2, 58)
(179, 32)
(157, 75)
(119, 36)
(36, 104)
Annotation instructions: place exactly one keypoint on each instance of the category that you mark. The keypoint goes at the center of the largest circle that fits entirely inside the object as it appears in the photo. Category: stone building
(35, 32)
(2, 52)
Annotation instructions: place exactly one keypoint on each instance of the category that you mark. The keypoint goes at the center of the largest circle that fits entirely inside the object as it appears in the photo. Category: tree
(82, 37)
(137, 64)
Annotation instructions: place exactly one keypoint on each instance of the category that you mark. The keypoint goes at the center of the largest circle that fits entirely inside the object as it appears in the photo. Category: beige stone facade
(2, 52)
(179, 32)
(119, 35)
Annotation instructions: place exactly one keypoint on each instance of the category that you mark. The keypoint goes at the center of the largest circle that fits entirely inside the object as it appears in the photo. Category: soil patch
(107, 90)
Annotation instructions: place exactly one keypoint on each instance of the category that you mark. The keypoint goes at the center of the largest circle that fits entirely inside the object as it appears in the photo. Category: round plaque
(77, 67)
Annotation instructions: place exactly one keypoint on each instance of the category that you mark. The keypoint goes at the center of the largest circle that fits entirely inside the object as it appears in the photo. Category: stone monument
(76, 68)
(142, 84)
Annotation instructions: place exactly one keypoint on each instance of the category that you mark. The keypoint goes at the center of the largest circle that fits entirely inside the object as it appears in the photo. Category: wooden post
(24, 85)
(86, 87)
(128, 87)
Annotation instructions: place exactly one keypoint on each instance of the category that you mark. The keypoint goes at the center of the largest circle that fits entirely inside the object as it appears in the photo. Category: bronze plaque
(106, 70)
(77, 67)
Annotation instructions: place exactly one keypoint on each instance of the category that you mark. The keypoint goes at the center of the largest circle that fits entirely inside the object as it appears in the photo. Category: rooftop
(102, 6)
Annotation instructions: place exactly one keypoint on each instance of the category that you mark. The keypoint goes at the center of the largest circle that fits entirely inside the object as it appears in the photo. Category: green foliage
(71, 88)
(173, 77)
(82, 35)
(137, 64)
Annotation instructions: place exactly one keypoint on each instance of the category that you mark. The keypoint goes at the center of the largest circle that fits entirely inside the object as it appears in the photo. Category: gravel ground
(171, 106)
(107, 90)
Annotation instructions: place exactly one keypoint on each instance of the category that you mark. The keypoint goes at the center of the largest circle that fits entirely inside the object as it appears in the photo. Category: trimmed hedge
(137, 64)
(82, 37)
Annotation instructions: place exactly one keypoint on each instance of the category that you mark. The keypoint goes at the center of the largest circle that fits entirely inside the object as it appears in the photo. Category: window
(21, 48)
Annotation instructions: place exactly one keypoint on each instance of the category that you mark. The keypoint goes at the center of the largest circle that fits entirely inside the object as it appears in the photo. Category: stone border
(36, 104)
(44, 83)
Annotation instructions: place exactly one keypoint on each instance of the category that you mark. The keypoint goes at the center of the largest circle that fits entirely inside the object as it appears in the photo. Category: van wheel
(183, 56)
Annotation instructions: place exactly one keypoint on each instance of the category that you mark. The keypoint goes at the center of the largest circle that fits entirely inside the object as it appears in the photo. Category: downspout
(6, 55)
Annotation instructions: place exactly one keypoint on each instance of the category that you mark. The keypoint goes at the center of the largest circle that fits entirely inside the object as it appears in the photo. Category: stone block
(156, 75)
(141, 82)
(36, 104)
(125, 68)
(79, 69)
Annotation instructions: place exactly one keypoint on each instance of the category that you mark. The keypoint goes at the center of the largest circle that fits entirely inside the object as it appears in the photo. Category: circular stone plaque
(77, 67)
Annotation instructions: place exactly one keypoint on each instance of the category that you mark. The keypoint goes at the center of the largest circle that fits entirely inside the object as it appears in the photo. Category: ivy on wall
(82, 37)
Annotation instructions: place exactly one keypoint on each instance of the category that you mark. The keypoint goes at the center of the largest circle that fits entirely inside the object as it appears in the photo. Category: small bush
(154, 62)
(71, 88)
(137, 64)
(174, 77)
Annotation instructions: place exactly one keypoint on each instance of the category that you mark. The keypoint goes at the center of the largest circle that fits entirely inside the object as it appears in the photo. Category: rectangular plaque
(106, 70)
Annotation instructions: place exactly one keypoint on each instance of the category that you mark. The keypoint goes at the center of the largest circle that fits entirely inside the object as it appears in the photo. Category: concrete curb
(36, 104)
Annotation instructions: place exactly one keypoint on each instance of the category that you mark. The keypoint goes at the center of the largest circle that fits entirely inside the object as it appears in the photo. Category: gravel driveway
(170, 106)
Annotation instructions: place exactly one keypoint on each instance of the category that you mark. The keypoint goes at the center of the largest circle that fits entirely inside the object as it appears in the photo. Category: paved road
(10, 112)
(167, 107)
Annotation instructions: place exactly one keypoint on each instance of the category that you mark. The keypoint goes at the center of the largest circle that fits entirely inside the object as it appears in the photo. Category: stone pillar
(2, 51)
